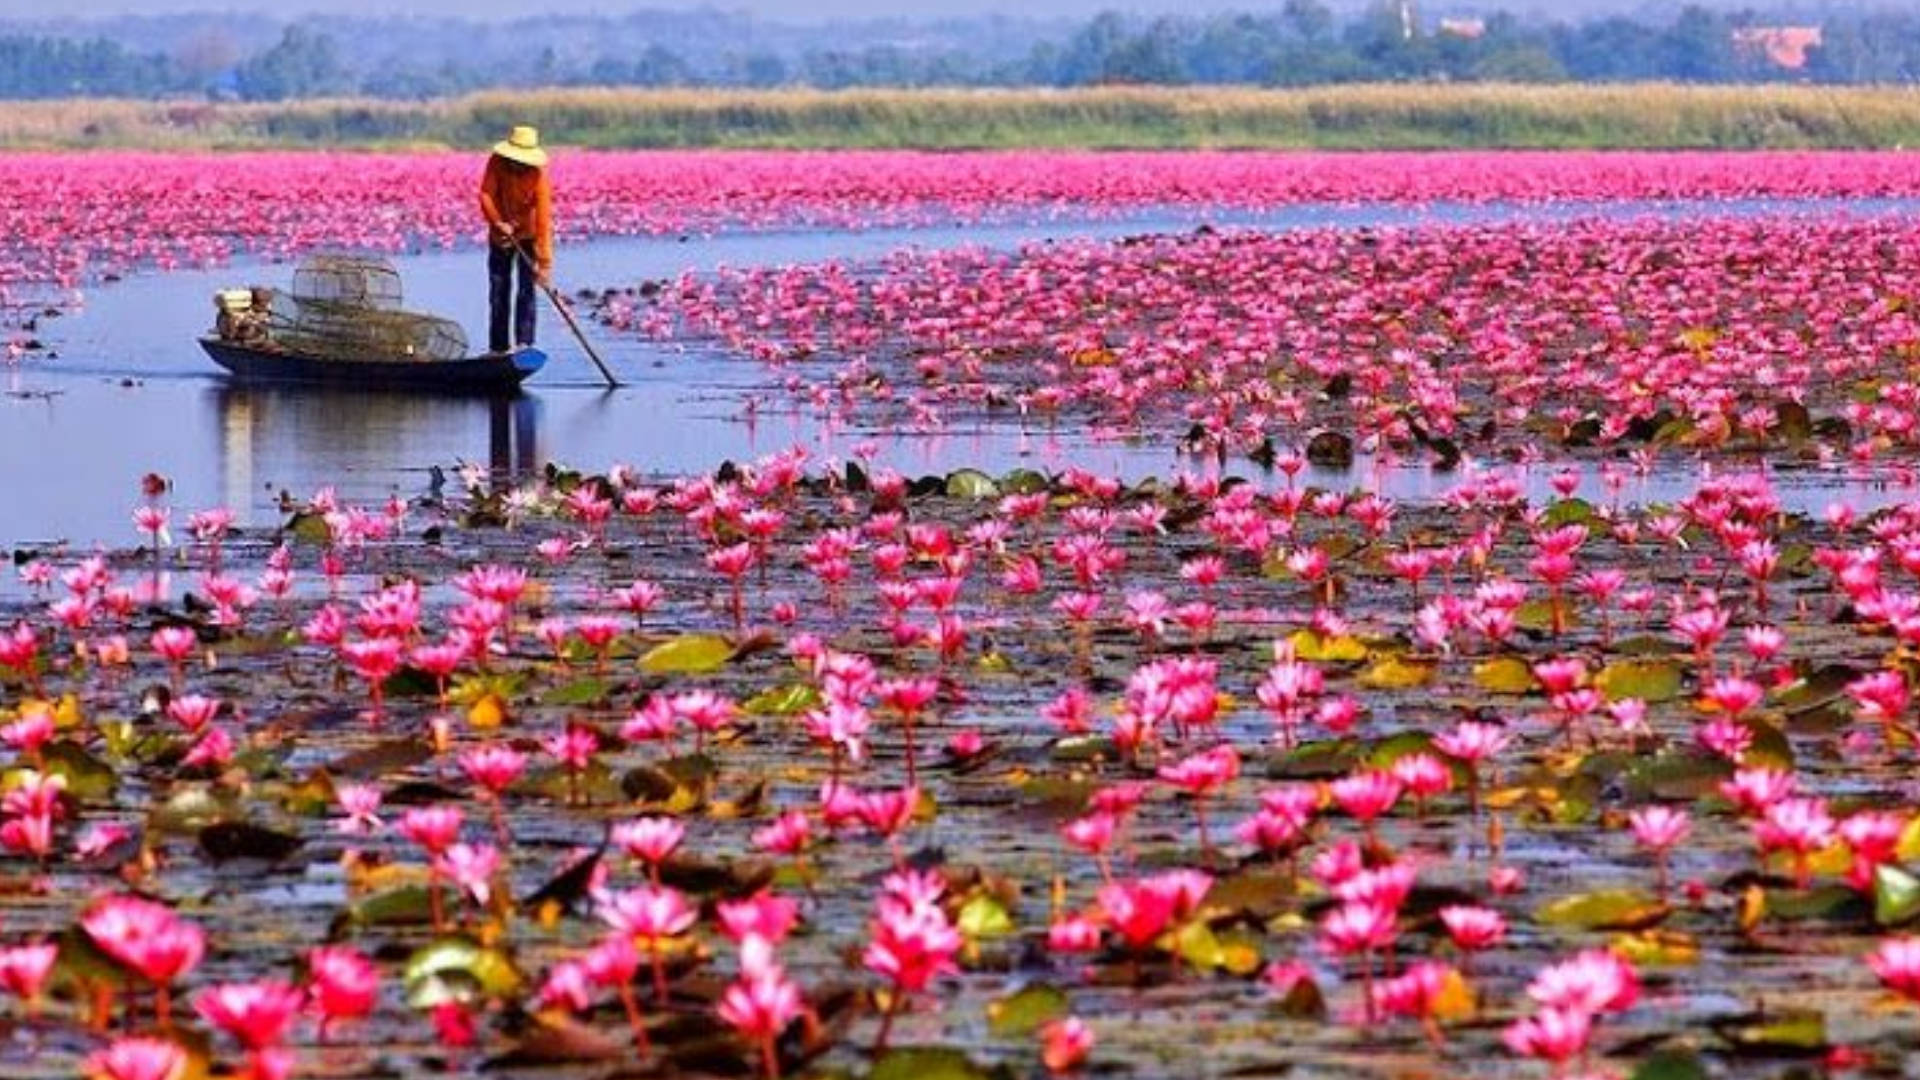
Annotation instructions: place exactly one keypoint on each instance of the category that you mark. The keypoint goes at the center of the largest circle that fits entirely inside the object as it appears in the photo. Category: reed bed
(1344, 117)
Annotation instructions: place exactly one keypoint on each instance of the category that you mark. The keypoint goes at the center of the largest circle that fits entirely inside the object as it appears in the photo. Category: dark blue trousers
(503, 266)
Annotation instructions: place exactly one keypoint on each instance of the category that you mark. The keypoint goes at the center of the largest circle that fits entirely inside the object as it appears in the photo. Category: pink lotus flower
(1065, 1044)
(138, 1058)
(342, 984)
(1555, 1035)
(1897, 963)
(257, 1014)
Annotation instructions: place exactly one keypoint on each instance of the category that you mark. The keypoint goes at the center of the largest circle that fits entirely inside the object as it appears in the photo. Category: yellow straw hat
(522, 144)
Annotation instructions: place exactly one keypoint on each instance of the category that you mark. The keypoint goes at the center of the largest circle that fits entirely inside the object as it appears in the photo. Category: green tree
(303, 64)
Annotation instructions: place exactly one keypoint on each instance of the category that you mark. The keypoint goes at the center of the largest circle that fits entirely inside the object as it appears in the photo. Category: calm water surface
(130, 392)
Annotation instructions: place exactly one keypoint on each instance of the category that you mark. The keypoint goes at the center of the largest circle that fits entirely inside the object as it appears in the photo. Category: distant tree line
(1302, 43)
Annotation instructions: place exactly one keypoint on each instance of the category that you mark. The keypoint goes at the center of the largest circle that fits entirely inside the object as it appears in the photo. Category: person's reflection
(298, 440)
(513, 450)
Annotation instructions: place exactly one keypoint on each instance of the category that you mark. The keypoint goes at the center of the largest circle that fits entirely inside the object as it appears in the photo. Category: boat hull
(477, 373)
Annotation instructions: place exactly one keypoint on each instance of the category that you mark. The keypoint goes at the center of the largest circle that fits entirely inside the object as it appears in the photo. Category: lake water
(130, 392)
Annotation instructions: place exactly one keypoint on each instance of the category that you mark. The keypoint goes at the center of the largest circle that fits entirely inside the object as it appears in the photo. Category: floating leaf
(1396, 746)
(1536, 616)
(971, 484)
(579, 692)
(1787, 1033)
(458, 969)
(1505, 675)
(1024, 482)
(1657, 948)
(932, 1063)
(407, 905)
(1823, 685)
(1310, 645)
(381, 759)
(1197, 946)
(1569, 512)
(1395, 672)
(88, 778)
(1770, 745)
(1604, 909)
(1671, 1065)
(984, 916)
(1896, 896)
(1680, 774)
(1652, 681)
(1022, 1012)
(1836, 903)
(790, 700)
(1324, 760)
(688, 654)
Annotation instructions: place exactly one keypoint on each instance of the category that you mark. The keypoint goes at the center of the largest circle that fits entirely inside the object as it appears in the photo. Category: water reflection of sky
(130, 392)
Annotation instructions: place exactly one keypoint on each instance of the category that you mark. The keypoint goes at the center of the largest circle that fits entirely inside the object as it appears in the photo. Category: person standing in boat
(517, 201)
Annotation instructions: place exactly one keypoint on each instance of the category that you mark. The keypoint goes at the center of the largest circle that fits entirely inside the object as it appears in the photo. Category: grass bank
(1346, 117)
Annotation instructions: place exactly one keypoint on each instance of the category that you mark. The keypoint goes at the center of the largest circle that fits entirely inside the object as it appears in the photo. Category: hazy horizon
(780, 10)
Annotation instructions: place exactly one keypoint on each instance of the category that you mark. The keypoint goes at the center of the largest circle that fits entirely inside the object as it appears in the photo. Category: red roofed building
(1783, 46)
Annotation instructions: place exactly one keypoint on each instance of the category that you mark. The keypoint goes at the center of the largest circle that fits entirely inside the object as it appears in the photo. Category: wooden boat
(493, 371)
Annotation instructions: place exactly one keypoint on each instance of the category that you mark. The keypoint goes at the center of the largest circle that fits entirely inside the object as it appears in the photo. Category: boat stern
(528, 360)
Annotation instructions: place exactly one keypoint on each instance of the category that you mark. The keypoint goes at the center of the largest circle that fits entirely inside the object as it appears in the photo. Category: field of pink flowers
(812, 767)
(70, 218)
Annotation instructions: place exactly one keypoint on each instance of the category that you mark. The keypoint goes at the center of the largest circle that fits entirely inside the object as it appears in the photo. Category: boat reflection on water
(366, 445)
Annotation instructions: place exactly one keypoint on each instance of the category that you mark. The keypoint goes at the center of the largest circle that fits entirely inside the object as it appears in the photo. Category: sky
(788, 10)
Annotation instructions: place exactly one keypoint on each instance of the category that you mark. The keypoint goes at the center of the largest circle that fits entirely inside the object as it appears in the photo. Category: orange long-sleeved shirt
(522, 197)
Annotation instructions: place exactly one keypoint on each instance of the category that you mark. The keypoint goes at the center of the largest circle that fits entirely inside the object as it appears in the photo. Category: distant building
(1470, 29)
(1782, 46)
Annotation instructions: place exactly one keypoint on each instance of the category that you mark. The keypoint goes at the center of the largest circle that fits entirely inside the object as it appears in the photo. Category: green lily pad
(971, 484)
(1788, 1033)
(1509, 675)
(790, 700)
(458, 969)
(587, 691)
(1398, 673)
(688, 654)
(984, 916)
(1603, 909)
(1896, 896)
(1652, 681)
(1022, 1012)
(933, 1063)
(88, 778)
(1671, 1065)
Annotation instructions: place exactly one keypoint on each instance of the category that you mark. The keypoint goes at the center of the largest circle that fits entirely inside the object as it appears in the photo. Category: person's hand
(504, 230)
(544, 275)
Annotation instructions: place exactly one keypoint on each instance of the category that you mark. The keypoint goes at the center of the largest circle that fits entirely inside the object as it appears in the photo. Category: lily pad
(1652, 681)
(1603, 909)
(1505, 675)
(1022, 1012)
(587, 691)
(1896, 896)
(971, 484)
(1397, 673)
(688, 654)
(1671, 1065)
(88, 778)
(790, 700)
(458, 969)
(984, 916)
(1788, 1033)
(933, 1063)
